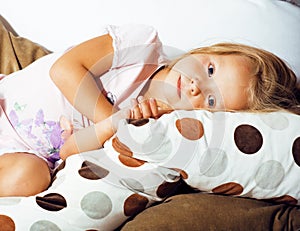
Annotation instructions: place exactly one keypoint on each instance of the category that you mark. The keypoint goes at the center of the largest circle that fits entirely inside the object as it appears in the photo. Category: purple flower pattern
(41, 135)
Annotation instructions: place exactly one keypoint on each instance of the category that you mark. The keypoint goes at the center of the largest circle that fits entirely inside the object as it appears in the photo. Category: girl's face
(216, 82)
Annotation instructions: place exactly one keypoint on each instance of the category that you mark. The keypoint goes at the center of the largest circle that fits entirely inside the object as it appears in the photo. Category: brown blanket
(187, 211)
(215, 212)
(16, 52)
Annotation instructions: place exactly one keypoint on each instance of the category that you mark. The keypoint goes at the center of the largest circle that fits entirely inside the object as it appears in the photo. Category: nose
(194, 88)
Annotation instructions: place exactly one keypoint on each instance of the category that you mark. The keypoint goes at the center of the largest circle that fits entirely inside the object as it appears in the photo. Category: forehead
(233, 78)
(232, 64)
(226, 58)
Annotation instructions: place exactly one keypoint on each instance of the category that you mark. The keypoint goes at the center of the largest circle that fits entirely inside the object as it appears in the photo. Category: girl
(85, 91)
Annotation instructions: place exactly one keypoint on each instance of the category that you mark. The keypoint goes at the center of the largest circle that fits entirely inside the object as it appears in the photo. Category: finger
(153, 107)
(145, 108)
(128, 113)
(136, 112)
(133, 103)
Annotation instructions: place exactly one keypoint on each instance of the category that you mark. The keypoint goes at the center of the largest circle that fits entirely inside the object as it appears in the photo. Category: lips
(179, 86)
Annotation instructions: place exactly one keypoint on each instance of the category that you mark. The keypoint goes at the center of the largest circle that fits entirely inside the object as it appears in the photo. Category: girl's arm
(93, 137)
(74, 74)
(87, 139)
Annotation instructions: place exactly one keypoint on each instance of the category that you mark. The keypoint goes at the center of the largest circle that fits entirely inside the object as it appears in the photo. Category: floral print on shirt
(43, 136)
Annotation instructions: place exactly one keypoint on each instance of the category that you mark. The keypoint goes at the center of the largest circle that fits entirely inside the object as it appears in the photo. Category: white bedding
(56, 24)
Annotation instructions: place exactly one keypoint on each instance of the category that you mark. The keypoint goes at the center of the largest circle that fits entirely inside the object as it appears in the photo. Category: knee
(23, 174)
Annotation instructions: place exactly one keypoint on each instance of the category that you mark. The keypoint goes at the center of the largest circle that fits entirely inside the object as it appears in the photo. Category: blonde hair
(274, 86)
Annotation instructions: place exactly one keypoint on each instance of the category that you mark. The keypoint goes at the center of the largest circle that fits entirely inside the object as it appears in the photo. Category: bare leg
(23, 174)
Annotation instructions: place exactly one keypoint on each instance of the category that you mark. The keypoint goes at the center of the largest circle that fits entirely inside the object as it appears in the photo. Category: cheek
(199, 103)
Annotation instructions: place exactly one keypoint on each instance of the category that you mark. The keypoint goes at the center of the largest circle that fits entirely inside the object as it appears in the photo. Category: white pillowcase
(237, 154)
(269, 24)
(253, 155)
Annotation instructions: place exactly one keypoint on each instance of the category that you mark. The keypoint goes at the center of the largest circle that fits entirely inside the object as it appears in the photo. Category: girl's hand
(66, 127)
(145, 108)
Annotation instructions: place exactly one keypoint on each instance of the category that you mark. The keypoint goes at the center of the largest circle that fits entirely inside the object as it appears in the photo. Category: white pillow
(269, 24)
(90, 192)
(237, 154)
(253, 155)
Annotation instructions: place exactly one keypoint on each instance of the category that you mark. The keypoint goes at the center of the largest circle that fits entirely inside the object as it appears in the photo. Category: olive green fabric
(215, 212)
(16, 52)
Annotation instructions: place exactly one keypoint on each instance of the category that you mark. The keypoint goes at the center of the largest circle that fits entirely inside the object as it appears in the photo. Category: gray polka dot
(269, 175)
(275, 120)
(132, 184)
(213, 162)
(96, 205)
(44, 225)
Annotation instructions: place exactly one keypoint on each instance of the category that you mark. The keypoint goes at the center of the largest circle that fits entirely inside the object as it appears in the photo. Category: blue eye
(211, 101)
(210, 70)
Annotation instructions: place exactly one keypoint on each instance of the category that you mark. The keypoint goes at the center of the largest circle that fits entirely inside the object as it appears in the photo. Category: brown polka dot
(191, 129)
(248, 139)
(296, 151)
(92, 171)
(166, 188)
(182, 173)
(134, 204)
(120, 147)
(230, 188)
(51, 202)
(6, 223)
(57, 169)
(130, 161)
(138, 122)
(286, 199)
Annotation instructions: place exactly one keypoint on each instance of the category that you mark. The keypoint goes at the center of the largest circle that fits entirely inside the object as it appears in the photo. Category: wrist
(117, 117)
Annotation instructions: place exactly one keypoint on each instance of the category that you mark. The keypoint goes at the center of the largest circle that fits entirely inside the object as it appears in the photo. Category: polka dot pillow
(239, 154)
(90, 191)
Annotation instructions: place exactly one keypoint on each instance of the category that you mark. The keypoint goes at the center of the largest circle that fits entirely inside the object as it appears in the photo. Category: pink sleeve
(135, 44)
